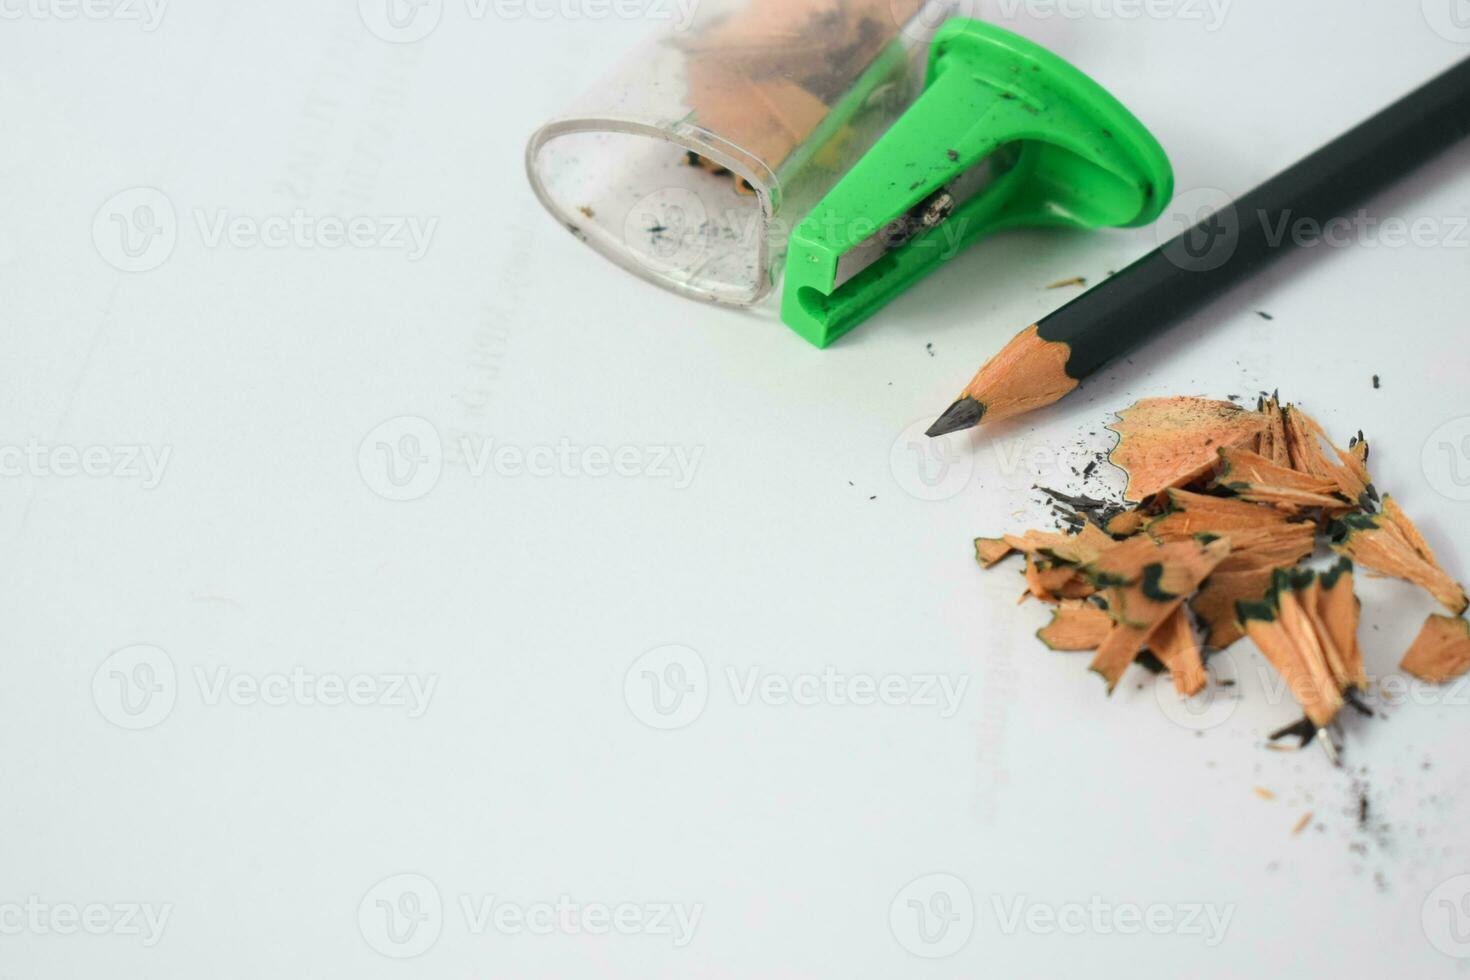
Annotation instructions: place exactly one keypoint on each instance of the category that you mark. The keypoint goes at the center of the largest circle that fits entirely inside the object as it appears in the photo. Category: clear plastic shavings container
(693, 162)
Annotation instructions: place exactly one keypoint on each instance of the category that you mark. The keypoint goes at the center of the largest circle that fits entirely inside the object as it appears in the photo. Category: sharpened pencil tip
(963, 414)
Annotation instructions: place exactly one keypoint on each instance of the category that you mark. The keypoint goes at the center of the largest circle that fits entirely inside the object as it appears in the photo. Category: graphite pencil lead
(963, 414)
(1028, 373)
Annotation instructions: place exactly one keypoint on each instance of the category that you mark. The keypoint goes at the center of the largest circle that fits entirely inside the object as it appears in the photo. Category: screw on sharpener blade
(925, 216)
(1005, 135)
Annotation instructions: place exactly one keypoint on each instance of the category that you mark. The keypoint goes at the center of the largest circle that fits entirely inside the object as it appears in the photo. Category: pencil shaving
(1441, 653)
(1169, 442)
(1390, 543)
(1076, 627)
(1319, 661)
(1229, 506)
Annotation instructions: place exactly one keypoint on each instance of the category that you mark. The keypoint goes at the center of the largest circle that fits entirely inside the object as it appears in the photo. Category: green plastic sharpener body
(1006, 135)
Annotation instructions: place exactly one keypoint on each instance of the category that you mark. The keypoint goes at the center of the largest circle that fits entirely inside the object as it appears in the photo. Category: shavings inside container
(690, 165)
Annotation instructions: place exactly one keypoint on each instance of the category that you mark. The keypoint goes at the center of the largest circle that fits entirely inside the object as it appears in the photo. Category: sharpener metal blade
(925, 216)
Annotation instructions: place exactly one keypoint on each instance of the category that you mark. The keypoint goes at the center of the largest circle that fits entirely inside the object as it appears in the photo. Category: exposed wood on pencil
(1028, 374)
(1164, 286)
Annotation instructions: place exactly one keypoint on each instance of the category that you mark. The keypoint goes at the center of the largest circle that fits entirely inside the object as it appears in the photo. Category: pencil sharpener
(686, 165)
(1005, 135)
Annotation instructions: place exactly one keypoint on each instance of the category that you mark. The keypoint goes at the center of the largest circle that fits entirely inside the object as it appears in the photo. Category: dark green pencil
(1046, 361)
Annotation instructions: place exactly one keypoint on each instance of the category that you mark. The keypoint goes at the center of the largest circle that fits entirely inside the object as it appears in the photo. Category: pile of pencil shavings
(1223, 507)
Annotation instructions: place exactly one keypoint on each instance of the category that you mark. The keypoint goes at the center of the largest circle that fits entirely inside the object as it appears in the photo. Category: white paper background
(270, 832)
